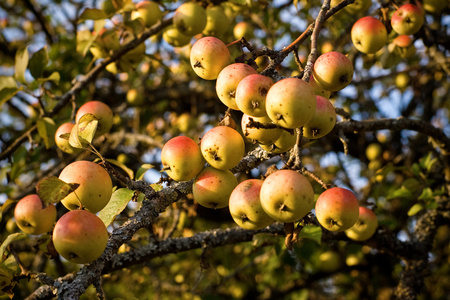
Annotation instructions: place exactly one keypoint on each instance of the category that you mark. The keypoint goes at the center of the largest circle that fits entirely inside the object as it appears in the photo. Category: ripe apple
(243, 29)
(287, 196)
(404, 46)
(251, 94)
(228, 80)
(95, 186)
(181, 158)
(174, 37)
(101, 111)
(435, 6)
(212, 187)
(323, 120)
(209, 55)
(63, 144)
(148, 11)
(317, 89)
(407, 19)
(222, 147)
(245, 205)
(365, 227)
(368, 34)
(284, 143)
(260, 135)
(217, 22)
(32, 217)
(333, 71)
(80, 236)
(190, 18)
(290, 103)
(337, 209)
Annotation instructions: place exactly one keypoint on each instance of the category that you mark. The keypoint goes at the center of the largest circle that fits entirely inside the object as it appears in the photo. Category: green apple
(337, 209)
(323, 120)
(407, 19)
(101, 111)
(329, 261)
(283, 144)
(148, 11)
(212, 187)
(228, 80)
(32, 217)
(174, 37)
(435, 6)
(190, 18)
(251, 93)
(290, 103)
(358, 7)
(402, 80)
(135, 98)
(333, 71)
(287, 196)
(95, 186)
(260, 135)
(368, 35)
(365, 227)
(63, 144)
(209, 55)
(243, 29)
(217, 22)
(245, 205)
(181, 158)
(222, 147)
(80, 236)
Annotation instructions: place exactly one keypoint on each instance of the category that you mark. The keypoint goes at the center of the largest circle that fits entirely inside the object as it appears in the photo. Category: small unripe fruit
(149, 11)
(190, 18)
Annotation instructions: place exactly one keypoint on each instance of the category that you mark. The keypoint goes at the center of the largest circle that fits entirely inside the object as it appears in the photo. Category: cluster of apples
(369, 34)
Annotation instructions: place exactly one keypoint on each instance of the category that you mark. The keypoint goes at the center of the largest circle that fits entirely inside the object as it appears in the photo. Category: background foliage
(166, 245)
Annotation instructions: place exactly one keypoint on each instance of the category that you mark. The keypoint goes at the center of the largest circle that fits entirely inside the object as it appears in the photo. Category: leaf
(156, 187)
(11, 238)
(127, 170)
(427, 194)
(416, 208)
(313, 233)
(38, 62)
(21, 64)
(8, 88)
(142, 170)
(54, 77)
(401, 193)
(92, 14)
(75, 140)
(47, 128)
(87, 126)
(118, 202)
(53, 190)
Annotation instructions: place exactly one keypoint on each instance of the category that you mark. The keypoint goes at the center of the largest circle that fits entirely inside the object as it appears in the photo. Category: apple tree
(224, 149)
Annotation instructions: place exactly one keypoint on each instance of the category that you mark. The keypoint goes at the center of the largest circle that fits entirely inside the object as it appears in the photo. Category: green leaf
(38, 62)
(118, 202)
(53, 190)
(92, 14)
(141, 172)
(54, 77)
(156, 187)
(313, 233)
(21, 64)
(427, 194)
(415, 209)
(75, 140)
(11, 238)
(87, 126)
(19, 161)
(8, 88)
(47, 128)
(401, 193)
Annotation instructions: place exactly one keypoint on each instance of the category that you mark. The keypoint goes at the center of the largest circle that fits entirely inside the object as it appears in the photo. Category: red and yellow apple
(333, 71)
(32, 217)
(209, 55)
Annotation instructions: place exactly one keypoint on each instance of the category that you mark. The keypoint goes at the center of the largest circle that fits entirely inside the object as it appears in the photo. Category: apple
(222, 147)
(209, 55)
(243, 29)
(329, 261)
(80, 236)
(407, 19)
(317, 89)
(32, 217)
(217, 22)
(186, 122)
(404, 46)
(365, 227)
(260, 135)
(228, 80)
(101, 111)
(251, 94)
(283, 144)
(135, 98)
(212, 187)
(181, 158)
(402, 80)
(337, 209)
(333, 71)
(148, 11)
(435, 6)
(369, 34)
(358, 7)
(374, 151)
(95, 186)
(190, 18)
(174, 37)
(290, 103)
(323, 120)
(245, 205)
(63, 144)
(287, 196)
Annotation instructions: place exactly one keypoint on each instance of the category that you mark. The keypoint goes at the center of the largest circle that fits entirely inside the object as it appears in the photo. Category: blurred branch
(46, 27)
